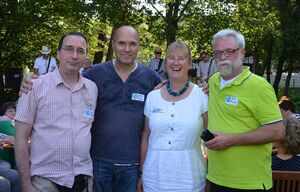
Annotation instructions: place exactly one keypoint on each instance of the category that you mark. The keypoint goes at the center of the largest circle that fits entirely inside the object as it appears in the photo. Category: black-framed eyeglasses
(226, 52)
(158, 53)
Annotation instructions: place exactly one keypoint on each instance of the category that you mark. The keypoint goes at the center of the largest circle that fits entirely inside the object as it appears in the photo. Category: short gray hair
(239, 38)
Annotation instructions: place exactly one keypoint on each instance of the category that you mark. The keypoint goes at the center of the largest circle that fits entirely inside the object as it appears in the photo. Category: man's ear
(242, 53)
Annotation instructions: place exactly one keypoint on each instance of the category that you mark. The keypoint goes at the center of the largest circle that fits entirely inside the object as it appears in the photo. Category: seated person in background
(9, 178)
(287, 108)
(286, 158)
(8, 112)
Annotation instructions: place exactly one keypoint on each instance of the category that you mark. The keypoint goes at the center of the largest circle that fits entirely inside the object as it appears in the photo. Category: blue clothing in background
(292, 164)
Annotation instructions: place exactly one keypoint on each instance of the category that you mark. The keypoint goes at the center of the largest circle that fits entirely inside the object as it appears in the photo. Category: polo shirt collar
(239, 80)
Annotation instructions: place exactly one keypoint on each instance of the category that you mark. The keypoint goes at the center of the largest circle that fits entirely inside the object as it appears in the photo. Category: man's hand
(160, 85)
(26, 84)
(204, 87)
(221, 141)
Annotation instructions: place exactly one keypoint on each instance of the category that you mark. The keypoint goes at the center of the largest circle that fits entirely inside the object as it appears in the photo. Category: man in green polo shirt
(245, 118)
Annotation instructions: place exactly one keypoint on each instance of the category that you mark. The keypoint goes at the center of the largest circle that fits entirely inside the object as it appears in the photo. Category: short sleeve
(147, 108)
(27, 106)
(36, 63)
(204, 102)
(266, 106)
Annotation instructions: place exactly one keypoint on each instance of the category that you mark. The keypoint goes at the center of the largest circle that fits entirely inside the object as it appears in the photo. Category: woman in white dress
(175, 115)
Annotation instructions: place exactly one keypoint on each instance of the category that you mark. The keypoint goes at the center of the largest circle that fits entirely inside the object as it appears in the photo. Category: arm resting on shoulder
(23, 133)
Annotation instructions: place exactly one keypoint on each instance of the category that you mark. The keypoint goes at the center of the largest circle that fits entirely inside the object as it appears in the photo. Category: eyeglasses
(71, 50)
(158, 53)
(226, 52)
(179, 60)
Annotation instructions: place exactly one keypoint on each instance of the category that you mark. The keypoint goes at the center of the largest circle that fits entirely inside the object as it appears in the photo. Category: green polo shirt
(241, 106)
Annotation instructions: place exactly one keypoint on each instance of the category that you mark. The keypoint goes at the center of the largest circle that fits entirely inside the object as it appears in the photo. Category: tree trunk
(288, 78)
(172, 21)
(110, 51)
(98, 57)
(268, 58)
(281, 61)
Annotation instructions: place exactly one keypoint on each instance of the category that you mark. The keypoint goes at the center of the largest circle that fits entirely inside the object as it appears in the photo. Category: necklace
(177, 93)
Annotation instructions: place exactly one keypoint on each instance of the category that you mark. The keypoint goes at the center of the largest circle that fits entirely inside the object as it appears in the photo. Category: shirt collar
(58, 79)
(238, 80)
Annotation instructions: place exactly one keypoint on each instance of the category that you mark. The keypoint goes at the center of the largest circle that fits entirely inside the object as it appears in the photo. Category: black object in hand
(207, 135)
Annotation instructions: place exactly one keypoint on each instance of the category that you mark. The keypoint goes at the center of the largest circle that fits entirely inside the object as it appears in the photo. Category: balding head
(126, 44)
(125, 29)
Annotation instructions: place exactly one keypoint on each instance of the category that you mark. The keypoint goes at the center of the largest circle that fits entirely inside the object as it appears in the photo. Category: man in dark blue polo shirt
(123, 85)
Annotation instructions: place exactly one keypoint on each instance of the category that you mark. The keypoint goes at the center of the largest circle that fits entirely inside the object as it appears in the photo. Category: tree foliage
(271, 27)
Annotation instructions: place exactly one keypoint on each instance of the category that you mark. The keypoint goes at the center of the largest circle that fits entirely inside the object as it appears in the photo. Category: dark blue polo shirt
(119, 114)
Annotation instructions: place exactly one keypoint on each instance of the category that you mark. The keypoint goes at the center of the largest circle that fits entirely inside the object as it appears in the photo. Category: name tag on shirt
(137, 97)
(157, 110)
(231, 100)
(89, 113)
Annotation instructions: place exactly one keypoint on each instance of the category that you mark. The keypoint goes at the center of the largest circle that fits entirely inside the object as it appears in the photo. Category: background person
(8, 111)
(206, 67)
(287, 108)
(9, 179)
(86, 65)
(45, 63)
(57, 115)
(171, 156)
(286, 158)
(245, 117)
(158, 63)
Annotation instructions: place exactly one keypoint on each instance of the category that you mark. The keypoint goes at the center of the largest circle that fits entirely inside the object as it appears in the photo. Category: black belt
(80, 184)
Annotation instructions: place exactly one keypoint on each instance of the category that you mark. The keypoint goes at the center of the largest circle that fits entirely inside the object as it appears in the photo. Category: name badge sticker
(231, 100)
(88, 113)
(157, 110)
(137, 97)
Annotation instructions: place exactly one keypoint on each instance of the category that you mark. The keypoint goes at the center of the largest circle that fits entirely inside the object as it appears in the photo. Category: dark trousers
(80, 183)
(212, 187)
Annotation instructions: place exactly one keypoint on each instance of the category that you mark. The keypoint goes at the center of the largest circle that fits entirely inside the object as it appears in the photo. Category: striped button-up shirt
(61, 120)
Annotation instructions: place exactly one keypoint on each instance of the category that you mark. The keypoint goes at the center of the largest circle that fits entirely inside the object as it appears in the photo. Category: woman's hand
(140, 185)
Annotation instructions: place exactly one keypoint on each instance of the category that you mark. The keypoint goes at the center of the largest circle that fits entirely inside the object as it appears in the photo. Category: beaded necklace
(177, 93)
